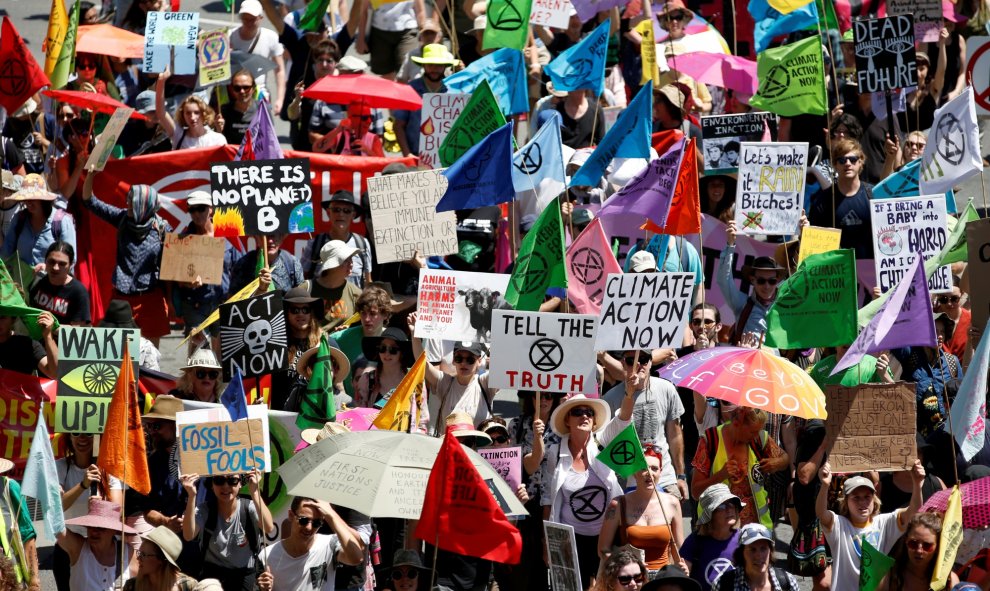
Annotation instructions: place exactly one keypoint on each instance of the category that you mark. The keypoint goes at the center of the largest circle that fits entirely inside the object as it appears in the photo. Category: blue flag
(772, 23)
(628, 138)
(233, 398)
(41, 481)
(481, 176)
(583, 65)
(506, 74)
(541, 158)
(906, 183)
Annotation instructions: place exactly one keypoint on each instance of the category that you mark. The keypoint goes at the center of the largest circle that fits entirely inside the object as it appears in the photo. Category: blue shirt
(138, 256)
(31, 246)
(413, 119)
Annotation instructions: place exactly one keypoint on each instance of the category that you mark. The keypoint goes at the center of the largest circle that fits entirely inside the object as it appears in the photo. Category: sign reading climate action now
(88, 363)
(405, 219)
(644, 311)
(885, 55)
(903, 228)
(261, 197)
(770, 191)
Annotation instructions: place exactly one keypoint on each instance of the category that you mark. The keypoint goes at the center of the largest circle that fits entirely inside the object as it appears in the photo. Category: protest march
(497, 295)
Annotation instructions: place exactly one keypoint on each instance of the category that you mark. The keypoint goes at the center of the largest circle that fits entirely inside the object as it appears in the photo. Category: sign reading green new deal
(88, 363)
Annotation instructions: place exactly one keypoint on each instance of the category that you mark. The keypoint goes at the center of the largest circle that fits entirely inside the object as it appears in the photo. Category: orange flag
(122, 452)
(685, 207)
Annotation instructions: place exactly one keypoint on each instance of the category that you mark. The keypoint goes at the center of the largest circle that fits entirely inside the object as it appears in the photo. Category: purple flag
(904, 320)
(588, 8)
(261, 136)
(649, 193)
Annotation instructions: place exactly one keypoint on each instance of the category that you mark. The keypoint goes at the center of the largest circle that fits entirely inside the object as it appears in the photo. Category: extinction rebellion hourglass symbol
(506, 19)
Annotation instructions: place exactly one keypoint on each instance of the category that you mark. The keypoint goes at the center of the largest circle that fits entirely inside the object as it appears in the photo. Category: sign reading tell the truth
(88, 363)
(261, 197)
(405, 218)
(871, 427)
(184, 258)
(209, 445)
(770, 191)
(644, 311)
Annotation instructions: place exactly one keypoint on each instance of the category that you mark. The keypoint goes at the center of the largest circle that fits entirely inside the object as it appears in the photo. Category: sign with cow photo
(457, 305)
(885, 54)
(253, 336)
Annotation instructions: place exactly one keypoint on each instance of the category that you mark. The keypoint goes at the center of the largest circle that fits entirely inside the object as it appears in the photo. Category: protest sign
(440, 110)
(644, 311)
(927, 17)
(209, 447)
(253, 335)
(550, 13)
(792, 79)
(770, 191)
(978, 72)
(404, 216)
(261, 197)
(543, 351)
(507, 461)
(871, 427)
(214, 57)
(108, 139)
(88, 363)
(562, 554)
(22, 399)
(885, 55)
(611, 115)
(457, 305)
(978, 246)
(170, 41)
(722, 136)
(184, 258)
(815, 240)
(479, 116)
(904, 227)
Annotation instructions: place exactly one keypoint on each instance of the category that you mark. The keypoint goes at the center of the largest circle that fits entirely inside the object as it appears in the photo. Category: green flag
(260, 264)
(317, 405)
(624, 455)
(792, 79)
(12, 304)
(508, 24)
(816, 306)
(315, 11)
(66, 63)
(480, 117)
(873, 567)
(349, 342)
(540, 264)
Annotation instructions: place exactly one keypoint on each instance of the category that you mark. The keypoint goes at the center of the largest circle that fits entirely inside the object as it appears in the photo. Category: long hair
(933, 522)
(209, 115)
(185, 384)
(169, 576)
(312, 337)
(610, 570)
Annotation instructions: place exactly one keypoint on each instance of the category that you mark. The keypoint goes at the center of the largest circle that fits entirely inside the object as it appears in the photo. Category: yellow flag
(58, 25)
(648, 53)
(787, 6)
(949, 540)
(398, 410)
(246, 292)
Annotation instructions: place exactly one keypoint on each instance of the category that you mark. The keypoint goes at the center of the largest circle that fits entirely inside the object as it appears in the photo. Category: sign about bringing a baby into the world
(903, 228)
(770, 191)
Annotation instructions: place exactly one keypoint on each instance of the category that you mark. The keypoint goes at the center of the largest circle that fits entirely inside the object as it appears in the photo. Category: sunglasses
(306, 521)
(240, 88)
(650, 446)
(499, 439)
(914, 145)
(202, 374)
(86, 66)
(626, 579)
(300, 310)
(469, 359)
(67, 116)
(141, 554)
(926, 547)
(948, 299)
(198, 208)
(766, 281)
(581, 411)
(230, 480)
(677, 16)
(847, 160)
(156, 426)
(389, 350)
(700, 321)
(343, 210)
(399, 574)
(643, 359)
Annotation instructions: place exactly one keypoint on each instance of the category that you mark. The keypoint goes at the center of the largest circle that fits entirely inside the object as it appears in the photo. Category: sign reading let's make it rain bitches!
(770, 191)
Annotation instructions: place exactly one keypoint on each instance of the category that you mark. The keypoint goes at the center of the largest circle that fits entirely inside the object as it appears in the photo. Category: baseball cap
(252, 7)
(199, 198)
(754, 532)
(856, 482)
(144, 102)
(476, 349)
(642, 262)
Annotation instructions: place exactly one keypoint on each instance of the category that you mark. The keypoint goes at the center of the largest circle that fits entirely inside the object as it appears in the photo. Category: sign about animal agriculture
(170, 41)
(88, 363)
(253, 335)
(404, 216)
(885, 55)
(644, 311)
(440, 110)
(770, 191)
(722, 137)
(903, 228)
(871, 427)
(458, 305)
(210, 443)
(261, 197)
(543, 351)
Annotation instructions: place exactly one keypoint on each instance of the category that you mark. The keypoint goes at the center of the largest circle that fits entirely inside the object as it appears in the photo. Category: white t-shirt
(397, 16)
(313, 571)
(267, 47)
(846, 541)
(469, 399)
(210, 138)
(69, 476)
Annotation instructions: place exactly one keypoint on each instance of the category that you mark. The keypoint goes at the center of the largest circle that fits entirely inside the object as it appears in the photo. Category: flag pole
(948, 411)
(983, 182)
(672, 546)
(123, 500)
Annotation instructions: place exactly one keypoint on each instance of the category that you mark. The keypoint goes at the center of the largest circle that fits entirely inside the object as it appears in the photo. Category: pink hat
(102, 514)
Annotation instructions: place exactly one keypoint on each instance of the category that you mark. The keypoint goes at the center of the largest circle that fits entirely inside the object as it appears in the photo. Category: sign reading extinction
(88, 363)
(458, 305)
(210, 445)
(507, 461)
(644, 311)
(404, 216)
(885, 55)
(170, 41)
(871, 427)
(440, 110)
(722, 137)
(770, 191)
(261, 197)
(253, 335)
(903, 228)
(184, 258)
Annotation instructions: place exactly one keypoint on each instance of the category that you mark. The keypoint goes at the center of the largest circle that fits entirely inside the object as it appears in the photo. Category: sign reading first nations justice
(871, 427)
(261, 197)
(885, 54)
(903, 228)
(644, 311)
(770, 192)
(88, 363)
(405, 219)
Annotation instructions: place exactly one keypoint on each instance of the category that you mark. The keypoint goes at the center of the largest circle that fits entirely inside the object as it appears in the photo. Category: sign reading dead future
(253, 335)
(885, 54)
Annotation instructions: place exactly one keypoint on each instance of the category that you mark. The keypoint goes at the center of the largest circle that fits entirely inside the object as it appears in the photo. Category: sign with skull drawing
(253, 337)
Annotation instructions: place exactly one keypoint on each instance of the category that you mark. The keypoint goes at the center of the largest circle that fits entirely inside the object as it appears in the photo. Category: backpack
(785, 583)
(977, 570)
(60, 214)
(212, 520)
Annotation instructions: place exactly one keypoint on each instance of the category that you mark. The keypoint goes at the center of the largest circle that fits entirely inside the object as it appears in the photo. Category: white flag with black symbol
(952, 153)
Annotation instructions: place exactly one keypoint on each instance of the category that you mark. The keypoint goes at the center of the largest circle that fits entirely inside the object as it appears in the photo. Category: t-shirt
(21, 354)
(68, 303)
(470, 398)
(846, 541)
(229, 545)
(852, 216)
(338, 302)
(653, 409)
(709, 557)
(397, 16)
(69, 476)
(236, 123)
(208, 139)
(585, 499)
(267, 47)
(577, 133)
(312, 571)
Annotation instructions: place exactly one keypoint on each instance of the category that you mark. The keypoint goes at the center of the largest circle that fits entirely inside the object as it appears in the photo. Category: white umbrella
(379, 473)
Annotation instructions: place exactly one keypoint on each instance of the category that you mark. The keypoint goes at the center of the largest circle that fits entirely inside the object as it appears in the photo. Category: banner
(440, 110)
(507, 461)
(405, 220)
(978, 72)
(815, 240)
(904, 227)
(458, 305)
(952, 153)
(261, 197)
(170, 41)
(927, 16)
(88, 363)
(770, 191)
(107, 140)
(550, 13)
(562, 554)
(253, 336)
(214, 57)
(184, 258)
(978, 246)
(871, 427)
(644, 311)
(543, 351)
(723, 135)
(22, 398)
(210, 445)
(885, 55)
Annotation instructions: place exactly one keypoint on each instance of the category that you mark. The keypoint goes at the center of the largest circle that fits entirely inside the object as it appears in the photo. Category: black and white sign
(565, 574)
(253, 335)
(261, 197)
(644, 311)
(885, 54)
(723, 135)
(458, 305)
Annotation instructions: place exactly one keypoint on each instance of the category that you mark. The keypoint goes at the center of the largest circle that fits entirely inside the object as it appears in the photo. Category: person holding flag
(915, 556)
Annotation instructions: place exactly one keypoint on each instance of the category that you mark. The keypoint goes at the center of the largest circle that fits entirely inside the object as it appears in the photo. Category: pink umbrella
(727, 71)
(357, 419)
(975, 503)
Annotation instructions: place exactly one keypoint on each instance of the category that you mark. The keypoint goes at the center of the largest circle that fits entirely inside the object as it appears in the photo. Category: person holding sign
(192, 126)
(848, 209)
(764, 274)
(916, 555)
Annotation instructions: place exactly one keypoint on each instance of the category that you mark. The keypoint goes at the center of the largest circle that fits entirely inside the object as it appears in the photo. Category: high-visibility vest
(760, 495)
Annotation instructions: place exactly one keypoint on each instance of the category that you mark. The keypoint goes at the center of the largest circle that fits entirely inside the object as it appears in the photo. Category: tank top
(87, 574)
(653, 540)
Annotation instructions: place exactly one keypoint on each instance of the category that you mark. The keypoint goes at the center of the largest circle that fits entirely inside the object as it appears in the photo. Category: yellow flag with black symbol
(949, 540)
(397, 414)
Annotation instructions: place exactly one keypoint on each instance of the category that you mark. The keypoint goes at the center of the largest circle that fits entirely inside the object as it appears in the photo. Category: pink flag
(766, 132)
(589, 262)
(503, 247)
(650, 193)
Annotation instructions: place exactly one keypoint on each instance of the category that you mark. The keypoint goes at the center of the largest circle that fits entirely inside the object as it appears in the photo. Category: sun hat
(673, 94)
(11, 181)
(164, 407)
(343, 364)
(369, 345)
(102, 514)
(201, 358)
(334, 254)
(299, 295)
(167, 542)
(754, 532)
(491, 425)
(311, 436)
(199, 198)
(6, 465)
(351, 65)
(855, 482)
(554, 92)
(344, 197)
(712, 498)
(464, 430)
(558, 420)
(252, 7)
(28, 108)
(670, 6)
(642, 262)
(480, 24)
(429, 25)
(672, 575)
(435, 53)
(763, 263)
(118, 315)
(33, 188)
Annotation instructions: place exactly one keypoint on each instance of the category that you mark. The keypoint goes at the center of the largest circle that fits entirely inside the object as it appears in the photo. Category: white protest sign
(108, 139)
(457, 305)
(978, 72)
(440, 109)
(405, 219)
(507, 461)
(210, 443)
(551, 13)
(904, 227)
(562, 554)
(543, 351)
(770, 192)
(170, 40)
(644, 311)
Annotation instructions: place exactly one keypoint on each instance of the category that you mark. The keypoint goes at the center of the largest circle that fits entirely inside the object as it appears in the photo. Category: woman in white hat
(200, 379)
(709, 550)
(95, 559)
(158, 568)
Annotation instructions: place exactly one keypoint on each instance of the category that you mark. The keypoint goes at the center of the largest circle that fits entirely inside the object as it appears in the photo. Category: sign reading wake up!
(88, 363)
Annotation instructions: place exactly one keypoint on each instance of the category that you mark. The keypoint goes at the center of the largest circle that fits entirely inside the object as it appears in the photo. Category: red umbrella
(373, 91)
(91, 100)
(109, 40)
(975, 503)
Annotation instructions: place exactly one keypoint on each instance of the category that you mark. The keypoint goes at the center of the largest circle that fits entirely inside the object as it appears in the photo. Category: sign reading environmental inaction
(170, 41)
(210, 445)
(550, 13)
(770, 191)
(214, 57)
(927, 17)
(903, 228)
(543, 351)
(871, 427)
(723, 135)
(440, 110)
(507, 461)
(186, 258)
(88, 363)
(405, 219)
(562, 546)
(644, 311)
(885, 54)
(261, 197)
(978, 244)
(458, 305)
(107, 140)
(253, 335)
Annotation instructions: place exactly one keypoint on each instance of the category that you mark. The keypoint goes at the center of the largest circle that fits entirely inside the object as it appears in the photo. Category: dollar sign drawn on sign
(191, 271)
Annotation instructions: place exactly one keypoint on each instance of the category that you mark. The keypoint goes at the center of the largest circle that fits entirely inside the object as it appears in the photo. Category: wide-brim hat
(435, 53)
(670, 6)
(299, 295)
(491, 425)
(28, 108)
(369, 345)
(344, 197)
(558, 420)
(464, 430)
(118, 315)
(673, 94)
(334, 254)
(343, 364)
(102, 514)
(164, 407)
(202, 358)
(672, 574)
(405, 557)
(712, 498)
(311, 436)
(480, 23)
(763, 264)
(6, 465)
(33, 188)
(167, 542)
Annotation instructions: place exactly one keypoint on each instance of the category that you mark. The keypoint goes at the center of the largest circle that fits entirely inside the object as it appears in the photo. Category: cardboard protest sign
(815, 240)
(170, 41)
(184, 258)
(214, 57)
(978, 245)
(927, 16)
(253, 335)
(644, 311)
(543, 351)
(871, 427)
(507, 461)
(108, 139)
(88, 363)
(723, 135)
(562, 554)
(458, 305)
(904, 227)
(770, 191)
(210, 443)
(261, 197)
(978, 72)
(404, 216)
(550, 13)
(440, 110)
(885, 55)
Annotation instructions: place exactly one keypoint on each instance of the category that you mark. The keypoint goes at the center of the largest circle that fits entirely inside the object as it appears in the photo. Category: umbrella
(749, 377)
(372, 91)
(379, 473)
(975, 503)
(726, 71)
(109, 40)
(91, 100)
(255, 64)
(357, 419)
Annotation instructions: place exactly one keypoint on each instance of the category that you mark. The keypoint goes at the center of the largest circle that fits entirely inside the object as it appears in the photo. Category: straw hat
(33, 188)
(167, 542)
(558, 420)
(464, 430)
(102, 514)
(202, 358)
(164, 408)
(311, 436)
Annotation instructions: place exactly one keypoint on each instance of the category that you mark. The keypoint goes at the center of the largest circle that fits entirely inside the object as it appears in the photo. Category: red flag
(685, 207)
(461, 515)
(663, 141)
(20, 75)
(122, 451)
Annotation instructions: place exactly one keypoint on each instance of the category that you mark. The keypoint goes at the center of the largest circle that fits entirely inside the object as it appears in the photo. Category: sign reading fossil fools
(644, 311)
(904, 227)
(885, 55)
(261, 197)
(770, 191)
(210, 443)
(543, 351)
(253, 335)
(88, 363)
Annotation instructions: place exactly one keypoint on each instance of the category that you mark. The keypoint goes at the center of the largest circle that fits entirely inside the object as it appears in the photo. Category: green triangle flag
(831, 20)
(816, 306)
(540, 264)
(349, 342)
(317, 405)
(12, 304)
(311, 19)
(873, 567)
(66, 62)
(624, 454)
(480, 117)
(508, 24)
(792, 79)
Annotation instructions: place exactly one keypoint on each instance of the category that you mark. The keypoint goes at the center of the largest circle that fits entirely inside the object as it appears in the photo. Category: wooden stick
(948, 411)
